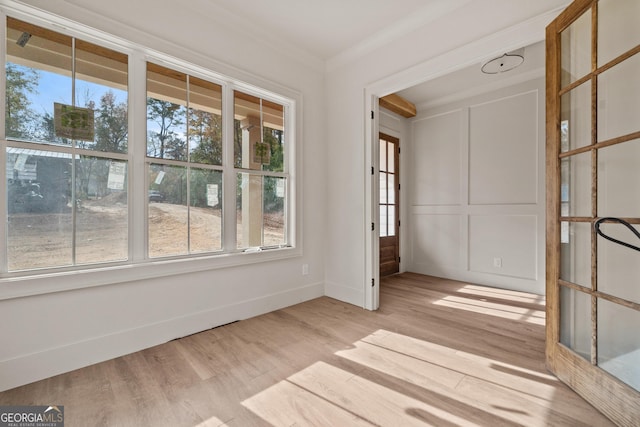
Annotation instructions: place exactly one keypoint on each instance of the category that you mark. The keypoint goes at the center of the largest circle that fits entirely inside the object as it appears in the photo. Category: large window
(210, 158)
(66, 150)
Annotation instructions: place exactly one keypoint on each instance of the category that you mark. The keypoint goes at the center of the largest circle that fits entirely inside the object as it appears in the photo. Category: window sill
(46, 283)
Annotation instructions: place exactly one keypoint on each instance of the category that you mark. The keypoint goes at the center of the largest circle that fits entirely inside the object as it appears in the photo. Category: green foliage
(205, 133)
(21, 120)
(112, 127)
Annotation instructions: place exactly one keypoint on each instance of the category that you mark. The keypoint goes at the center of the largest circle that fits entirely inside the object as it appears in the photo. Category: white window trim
(139, 266)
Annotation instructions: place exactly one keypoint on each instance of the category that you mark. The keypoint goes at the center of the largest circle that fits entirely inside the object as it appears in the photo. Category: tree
(21, 120)
(111, 124)
(205, 133)
(165, 142)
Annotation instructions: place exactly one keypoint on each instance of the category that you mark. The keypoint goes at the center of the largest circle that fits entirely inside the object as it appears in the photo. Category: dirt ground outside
(42, 240)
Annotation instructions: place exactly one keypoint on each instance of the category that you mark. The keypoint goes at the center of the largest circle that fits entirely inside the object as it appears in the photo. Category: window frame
(139, 265)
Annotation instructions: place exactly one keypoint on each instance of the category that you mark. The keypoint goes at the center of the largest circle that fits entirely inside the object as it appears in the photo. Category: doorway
(389, 229)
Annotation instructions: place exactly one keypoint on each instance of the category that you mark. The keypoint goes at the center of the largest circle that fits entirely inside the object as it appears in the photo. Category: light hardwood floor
(438, 352)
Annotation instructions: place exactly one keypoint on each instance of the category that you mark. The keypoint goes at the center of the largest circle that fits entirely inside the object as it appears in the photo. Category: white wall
(454, 40)
(477, 189)
(46, 334)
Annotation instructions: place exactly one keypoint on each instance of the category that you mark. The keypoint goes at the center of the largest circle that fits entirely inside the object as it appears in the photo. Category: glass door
(593, 203)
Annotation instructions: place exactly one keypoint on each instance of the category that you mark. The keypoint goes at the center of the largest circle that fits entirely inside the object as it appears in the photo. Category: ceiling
(328, 28)
(470, 81)
(333, 29)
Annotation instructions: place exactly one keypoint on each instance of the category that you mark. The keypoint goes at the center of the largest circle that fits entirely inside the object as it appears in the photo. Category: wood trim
(612, 298)
(65, 40)
(38, 31)
(603, 144)
(570, 14)
(398, 105)
(612, 397)
(552, 250)
(254, 99)
(167, 72)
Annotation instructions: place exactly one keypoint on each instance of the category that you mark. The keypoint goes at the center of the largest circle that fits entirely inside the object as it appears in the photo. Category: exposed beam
(398, 105)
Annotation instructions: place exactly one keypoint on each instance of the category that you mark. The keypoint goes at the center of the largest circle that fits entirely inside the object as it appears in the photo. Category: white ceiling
(333, 30)
(471, 81)
(326, 29)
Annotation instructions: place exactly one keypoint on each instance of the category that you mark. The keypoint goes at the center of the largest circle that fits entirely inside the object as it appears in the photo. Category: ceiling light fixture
(23, 39)
(503, 63)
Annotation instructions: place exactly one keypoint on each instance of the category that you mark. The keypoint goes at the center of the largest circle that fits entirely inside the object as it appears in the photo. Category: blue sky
(54, 87)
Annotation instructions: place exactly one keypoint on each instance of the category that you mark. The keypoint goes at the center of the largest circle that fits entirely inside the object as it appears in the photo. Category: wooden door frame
(608, 394)
(396, 140)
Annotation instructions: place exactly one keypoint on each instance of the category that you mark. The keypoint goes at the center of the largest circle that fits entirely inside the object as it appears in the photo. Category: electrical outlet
(305, 269)
(497, 262)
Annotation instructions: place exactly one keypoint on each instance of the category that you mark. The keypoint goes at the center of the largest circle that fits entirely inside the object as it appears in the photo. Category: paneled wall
(476, 196)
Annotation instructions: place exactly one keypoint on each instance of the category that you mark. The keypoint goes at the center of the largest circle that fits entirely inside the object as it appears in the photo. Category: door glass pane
(576, 50)
(575, 256)
(619, 99)
(618, 266)
(392, 189)
(619, 342)
(575, 118)
(40, 224)
(391, 155)
(575, 321)
(619, 180)
(391, 224)
(384, 231)
(575, 185)
(383, 187)
(618, 29)
(383, 155)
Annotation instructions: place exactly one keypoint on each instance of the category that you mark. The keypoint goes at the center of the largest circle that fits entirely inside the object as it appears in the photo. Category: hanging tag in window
(73, 122)
(280, 188)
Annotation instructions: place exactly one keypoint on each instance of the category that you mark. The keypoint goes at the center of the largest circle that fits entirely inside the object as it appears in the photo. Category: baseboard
(485, 279)
(45, 364)
(345, 294)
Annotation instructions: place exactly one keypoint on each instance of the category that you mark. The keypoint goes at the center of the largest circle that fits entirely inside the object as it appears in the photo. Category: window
(66, 150)
(184, 148)
(259, 148)
(212, 158)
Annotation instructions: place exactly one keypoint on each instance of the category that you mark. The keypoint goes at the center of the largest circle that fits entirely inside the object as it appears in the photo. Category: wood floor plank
(438, 352)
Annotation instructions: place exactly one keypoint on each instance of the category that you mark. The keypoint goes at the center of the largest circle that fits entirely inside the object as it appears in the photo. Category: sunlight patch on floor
(407, 381)
(505, 311)
(514, 296)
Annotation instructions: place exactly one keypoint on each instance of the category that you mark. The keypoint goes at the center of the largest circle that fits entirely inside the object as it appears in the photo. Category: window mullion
(3, 153)
(229, 216)
(137, 168)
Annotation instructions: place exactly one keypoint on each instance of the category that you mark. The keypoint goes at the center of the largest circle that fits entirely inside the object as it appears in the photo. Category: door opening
(389, 229)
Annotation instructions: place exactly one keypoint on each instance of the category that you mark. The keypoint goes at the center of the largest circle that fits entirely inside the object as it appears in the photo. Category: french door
(593, 204)
(389, 229)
